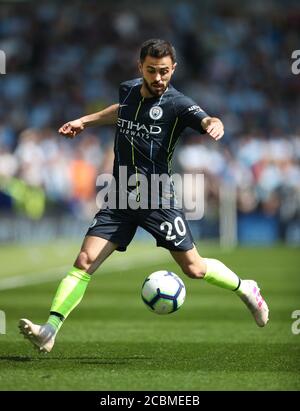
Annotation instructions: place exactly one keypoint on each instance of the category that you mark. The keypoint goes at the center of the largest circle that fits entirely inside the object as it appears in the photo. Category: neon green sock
(218, 274)
(68, 296)
(56, 321)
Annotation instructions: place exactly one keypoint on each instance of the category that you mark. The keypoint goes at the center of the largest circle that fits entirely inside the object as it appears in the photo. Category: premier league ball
(163, 292)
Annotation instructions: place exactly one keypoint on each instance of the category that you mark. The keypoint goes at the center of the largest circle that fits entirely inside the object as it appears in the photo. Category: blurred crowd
(264, 171)
(61, 174)
(66, 59)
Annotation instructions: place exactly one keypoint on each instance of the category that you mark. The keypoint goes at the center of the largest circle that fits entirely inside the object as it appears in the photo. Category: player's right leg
(110, 230)
(70, 292)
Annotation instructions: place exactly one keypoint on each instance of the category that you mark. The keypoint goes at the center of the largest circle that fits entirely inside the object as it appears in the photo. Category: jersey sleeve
(190, 114)
(123, 91)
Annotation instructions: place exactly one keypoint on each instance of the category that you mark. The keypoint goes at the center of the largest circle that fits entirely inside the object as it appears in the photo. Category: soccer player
(149, 118)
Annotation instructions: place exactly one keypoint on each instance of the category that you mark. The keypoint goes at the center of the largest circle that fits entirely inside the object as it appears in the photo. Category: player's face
(157, 73)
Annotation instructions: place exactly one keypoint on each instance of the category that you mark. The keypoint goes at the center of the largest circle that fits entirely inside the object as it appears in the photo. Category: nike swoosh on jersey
(179, 242)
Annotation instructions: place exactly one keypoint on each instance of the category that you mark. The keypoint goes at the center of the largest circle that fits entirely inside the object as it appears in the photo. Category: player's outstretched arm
(213, 126)
(105, 117)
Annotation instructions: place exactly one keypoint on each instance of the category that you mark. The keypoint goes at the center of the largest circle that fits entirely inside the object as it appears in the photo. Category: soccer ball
(163, 292)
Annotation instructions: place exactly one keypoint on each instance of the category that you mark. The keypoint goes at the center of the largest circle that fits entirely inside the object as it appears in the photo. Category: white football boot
(249, 292)
(41, 336)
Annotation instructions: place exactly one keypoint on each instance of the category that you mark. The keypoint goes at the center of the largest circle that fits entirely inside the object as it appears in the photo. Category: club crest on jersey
(156, 112)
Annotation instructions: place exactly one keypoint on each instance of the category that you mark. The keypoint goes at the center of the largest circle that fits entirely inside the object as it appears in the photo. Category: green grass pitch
(113, 342)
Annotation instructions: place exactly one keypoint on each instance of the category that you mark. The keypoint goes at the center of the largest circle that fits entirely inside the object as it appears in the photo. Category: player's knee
(194, 271)
(84, 261)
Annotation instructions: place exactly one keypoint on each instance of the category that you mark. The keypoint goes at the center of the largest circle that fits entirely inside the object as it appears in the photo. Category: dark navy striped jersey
(148, 128)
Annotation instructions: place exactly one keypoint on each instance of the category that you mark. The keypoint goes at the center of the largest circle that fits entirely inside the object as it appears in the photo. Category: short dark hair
(157, 48)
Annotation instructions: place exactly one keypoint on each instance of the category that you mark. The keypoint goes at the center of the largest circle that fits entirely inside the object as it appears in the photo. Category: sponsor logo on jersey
(195, 109)
(156, 112)
(135, 129)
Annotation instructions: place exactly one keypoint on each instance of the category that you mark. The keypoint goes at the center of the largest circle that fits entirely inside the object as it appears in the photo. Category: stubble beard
(153, 92)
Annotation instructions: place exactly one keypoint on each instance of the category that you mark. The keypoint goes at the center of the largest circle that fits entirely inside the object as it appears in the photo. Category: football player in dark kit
(149, 118)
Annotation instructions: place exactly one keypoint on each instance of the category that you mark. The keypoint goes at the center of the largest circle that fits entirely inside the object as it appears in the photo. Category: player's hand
(214, 127)
(72, 128)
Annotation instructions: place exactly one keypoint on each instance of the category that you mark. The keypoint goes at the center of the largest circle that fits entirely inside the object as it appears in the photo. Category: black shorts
(168, 226)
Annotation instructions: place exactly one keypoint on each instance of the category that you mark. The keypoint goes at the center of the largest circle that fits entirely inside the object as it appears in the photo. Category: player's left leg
(215, 272)
(172, 232)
